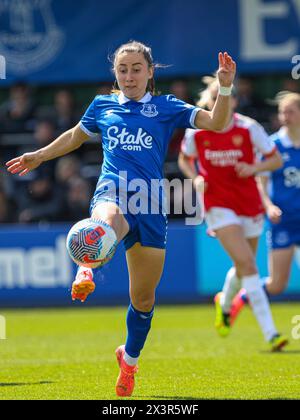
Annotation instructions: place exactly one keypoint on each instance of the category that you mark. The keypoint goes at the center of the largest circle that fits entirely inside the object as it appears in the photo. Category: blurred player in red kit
(233, 207)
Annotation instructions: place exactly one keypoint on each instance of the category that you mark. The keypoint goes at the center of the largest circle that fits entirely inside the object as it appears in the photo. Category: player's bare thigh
(280, 261)
(235, 243)
(253, 242)
(145, 267)
(112, 214)
(238, 236)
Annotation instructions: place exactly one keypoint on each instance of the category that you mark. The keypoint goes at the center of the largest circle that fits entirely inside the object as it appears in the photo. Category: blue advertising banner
(35, 269)
(51, 41)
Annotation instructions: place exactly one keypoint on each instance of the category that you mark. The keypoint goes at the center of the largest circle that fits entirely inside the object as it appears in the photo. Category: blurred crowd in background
(60, 190)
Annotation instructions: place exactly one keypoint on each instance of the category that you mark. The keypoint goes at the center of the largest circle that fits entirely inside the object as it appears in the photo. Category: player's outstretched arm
(216, 119)
(67, 142)
(273, 162)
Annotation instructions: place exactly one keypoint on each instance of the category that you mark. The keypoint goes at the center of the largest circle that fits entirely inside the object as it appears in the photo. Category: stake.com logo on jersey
(128, 141)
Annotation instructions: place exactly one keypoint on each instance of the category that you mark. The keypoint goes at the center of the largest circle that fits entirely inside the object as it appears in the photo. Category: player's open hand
(244, 170)
(227, 70)
(200, 184)
(274, 213)
(23, 164)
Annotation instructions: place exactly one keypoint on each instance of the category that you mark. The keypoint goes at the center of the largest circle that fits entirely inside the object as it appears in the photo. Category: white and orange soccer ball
(91, 243)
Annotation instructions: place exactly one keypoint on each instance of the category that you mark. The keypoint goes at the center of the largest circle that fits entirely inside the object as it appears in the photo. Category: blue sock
(138, 326)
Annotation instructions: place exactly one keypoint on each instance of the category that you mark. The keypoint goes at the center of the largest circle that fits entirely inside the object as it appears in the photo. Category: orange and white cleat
(83, 285)
(125, 381)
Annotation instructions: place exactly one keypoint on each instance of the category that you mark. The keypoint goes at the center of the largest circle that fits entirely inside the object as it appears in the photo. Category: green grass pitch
(69, 354)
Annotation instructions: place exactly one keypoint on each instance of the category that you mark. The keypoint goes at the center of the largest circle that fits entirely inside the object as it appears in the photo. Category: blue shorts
(147, 229)
(283, 235)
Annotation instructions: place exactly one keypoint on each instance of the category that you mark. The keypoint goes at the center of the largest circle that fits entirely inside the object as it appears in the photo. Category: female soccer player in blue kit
(136, 127)
(282, 200)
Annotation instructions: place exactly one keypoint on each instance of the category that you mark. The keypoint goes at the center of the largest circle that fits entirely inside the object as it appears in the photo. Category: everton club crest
(29, 36)
(149, 110)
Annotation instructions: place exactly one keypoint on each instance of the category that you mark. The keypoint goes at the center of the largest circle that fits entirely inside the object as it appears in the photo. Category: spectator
(78, 199)
(291, 85)
(40, 200)
(44, 133)
(7, 209)
(67, 168)
(178, 88)
(66, 115)
(62, 112)
(248, 103)
(17, 114)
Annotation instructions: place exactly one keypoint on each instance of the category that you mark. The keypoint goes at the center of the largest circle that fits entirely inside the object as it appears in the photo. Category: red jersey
(218, 153)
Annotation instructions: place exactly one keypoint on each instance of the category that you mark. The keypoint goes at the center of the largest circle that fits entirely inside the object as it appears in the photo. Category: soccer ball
(91, 243)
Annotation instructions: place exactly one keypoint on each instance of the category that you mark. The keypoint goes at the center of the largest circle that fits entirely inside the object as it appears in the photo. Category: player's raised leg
(112, 227)
(145, 265)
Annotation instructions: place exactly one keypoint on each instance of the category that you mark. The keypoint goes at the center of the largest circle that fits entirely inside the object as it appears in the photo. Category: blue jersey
(285, 182)
(135, 135)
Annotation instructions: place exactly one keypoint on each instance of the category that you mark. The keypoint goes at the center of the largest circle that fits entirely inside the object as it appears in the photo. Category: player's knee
(275, 288)
(143, 303)
(111, 214)
(245, 265)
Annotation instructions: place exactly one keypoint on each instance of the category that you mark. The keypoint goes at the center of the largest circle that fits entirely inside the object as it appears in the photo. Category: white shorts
(219, 217)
